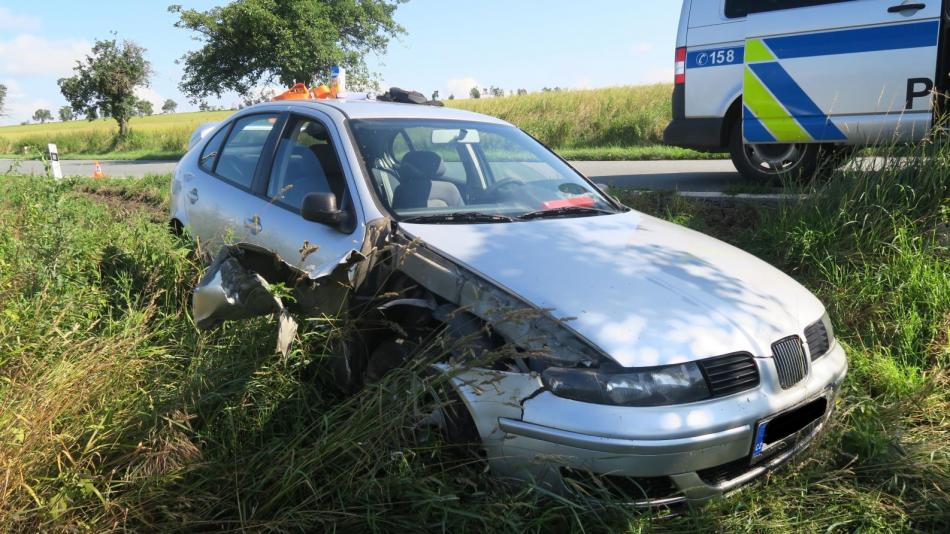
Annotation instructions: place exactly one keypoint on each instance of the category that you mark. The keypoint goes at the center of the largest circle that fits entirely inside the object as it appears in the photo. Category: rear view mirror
(447, 136)
(321, 208)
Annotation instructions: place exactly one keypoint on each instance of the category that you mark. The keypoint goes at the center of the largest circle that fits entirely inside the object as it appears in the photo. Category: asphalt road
(705, 175)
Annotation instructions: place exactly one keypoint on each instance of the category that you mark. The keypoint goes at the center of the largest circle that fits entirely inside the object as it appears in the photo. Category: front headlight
(661, 386)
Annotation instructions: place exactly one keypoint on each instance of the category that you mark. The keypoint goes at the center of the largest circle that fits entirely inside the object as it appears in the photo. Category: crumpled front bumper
(688, 453)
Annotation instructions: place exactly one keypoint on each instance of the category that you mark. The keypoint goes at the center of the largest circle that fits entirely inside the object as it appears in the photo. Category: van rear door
(846, 71)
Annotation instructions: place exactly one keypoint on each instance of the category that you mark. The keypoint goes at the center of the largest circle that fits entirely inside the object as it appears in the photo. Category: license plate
(789, 428)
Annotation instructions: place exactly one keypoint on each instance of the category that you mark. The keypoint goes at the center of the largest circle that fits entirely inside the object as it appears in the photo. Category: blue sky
(450, 45)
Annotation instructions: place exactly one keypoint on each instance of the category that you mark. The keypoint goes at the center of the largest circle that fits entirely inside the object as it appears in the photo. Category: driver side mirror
(321, 208)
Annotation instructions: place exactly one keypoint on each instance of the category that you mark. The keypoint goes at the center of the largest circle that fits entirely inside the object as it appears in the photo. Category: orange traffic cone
(97, 171)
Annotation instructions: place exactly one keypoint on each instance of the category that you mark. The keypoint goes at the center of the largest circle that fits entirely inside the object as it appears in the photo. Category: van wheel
(772, 163)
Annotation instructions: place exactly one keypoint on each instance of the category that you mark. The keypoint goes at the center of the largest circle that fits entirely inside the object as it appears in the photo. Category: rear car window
(740, 8)
(241, 152)
(210, 154)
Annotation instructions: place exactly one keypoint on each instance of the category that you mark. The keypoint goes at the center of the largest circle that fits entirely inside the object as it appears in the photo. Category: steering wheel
(501, 184)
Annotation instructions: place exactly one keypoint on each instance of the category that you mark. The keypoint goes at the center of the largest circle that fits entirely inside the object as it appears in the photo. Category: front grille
(730, 374)
(816, 336)
(790, 361)
(727, 472)
(633, 489)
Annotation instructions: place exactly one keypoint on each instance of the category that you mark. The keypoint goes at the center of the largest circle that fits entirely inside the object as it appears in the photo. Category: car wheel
(772, 163)
(442, 405)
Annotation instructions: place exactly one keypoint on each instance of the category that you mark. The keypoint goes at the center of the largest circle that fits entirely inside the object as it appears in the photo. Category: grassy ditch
(117, 413)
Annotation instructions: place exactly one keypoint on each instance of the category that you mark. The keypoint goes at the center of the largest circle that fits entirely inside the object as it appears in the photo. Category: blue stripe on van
(797, 102)
(889, 37)
(753, 130)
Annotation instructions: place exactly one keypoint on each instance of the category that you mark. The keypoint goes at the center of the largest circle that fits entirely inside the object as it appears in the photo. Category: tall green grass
(612, 123)
(116, 413)
(613, 117)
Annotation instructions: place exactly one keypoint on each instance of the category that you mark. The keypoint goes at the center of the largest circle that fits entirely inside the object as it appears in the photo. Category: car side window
(306, 163)
(241, 152)
(210, 153)
(740, 8)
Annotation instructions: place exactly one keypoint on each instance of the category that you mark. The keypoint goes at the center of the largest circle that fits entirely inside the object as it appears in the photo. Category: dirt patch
(125, 202)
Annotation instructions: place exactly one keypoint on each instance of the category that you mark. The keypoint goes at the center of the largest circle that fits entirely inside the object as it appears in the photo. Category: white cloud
(12, 21)
(657, 75)
(642, 48)
(30, 55)
(147, 93)
(461, 87)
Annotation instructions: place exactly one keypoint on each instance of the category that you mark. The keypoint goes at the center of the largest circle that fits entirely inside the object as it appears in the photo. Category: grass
(158, 134)
(116, 413)
(619, 123)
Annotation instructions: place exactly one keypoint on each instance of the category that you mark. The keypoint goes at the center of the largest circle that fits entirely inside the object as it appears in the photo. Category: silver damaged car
(630, 349)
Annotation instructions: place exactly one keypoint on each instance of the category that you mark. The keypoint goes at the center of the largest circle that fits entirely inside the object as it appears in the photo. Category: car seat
(419, 186)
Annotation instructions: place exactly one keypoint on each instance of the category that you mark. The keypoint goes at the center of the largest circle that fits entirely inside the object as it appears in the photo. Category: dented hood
(644, 291)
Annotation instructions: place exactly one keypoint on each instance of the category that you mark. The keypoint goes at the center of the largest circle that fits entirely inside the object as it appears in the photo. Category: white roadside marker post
(54, 161)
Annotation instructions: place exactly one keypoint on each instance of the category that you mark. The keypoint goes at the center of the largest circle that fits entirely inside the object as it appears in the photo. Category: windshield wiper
(462, 217)
(565, 211)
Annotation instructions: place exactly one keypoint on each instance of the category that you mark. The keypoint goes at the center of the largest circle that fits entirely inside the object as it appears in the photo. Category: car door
(220, 197)
(851, 71)
(308, 160)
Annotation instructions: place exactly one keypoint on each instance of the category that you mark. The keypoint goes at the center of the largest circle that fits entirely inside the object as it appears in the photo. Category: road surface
(711, 175)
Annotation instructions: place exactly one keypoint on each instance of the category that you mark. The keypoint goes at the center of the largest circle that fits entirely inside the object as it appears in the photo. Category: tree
(497, 91)
(3, 97)
(475, 93)
(435, 95)
(105, 82)
(169, 106)
(143, 107)
(522, 92)
(248, 43)
(42, 115)
(451, 97)
(66, 114)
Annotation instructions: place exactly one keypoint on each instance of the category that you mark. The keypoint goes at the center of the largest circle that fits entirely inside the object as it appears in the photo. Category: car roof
(374, 109)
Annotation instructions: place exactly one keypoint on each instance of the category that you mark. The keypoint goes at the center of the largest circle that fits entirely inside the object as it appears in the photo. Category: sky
(450, 45)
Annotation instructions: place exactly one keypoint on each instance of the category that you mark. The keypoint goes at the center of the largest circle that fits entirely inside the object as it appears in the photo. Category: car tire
(773, 163)
(456, 422)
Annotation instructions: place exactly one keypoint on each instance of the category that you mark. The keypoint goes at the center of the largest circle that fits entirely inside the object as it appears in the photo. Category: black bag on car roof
(402, 96)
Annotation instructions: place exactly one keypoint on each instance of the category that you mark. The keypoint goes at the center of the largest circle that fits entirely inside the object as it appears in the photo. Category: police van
(784, 84)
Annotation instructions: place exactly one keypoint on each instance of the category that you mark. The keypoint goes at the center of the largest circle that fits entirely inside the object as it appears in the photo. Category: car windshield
(463, 172)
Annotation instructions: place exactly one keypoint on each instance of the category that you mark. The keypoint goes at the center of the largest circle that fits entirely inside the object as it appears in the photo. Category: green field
(161, 136)
(604, 124)
(117, 414)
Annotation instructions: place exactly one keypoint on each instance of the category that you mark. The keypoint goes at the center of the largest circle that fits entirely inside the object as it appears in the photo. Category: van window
(740, 8)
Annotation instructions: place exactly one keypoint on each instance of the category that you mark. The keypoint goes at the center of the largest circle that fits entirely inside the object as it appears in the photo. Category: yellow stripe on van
(770, 112)
(755, 50)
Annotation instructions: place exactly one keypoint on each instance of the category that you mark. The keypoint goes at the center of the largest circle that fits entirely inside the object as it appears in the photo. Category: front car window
(457, 167)
(306, 163)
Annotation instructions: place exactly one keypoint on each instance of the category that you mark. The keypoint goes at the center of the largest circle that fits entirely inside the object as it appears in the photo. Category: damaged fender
(234, 289)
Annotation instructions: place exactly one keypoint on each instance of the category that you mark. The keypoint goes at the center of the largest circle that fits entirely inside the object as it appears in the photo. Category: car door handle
(253, 224)
(193, 196)
(906, 7)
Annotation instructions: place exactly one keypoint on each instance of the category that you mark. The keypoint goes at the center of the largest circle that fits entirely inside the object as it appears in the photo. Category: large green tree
(105, 82)
(3, 97)
(169, 106)
(249, 43)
